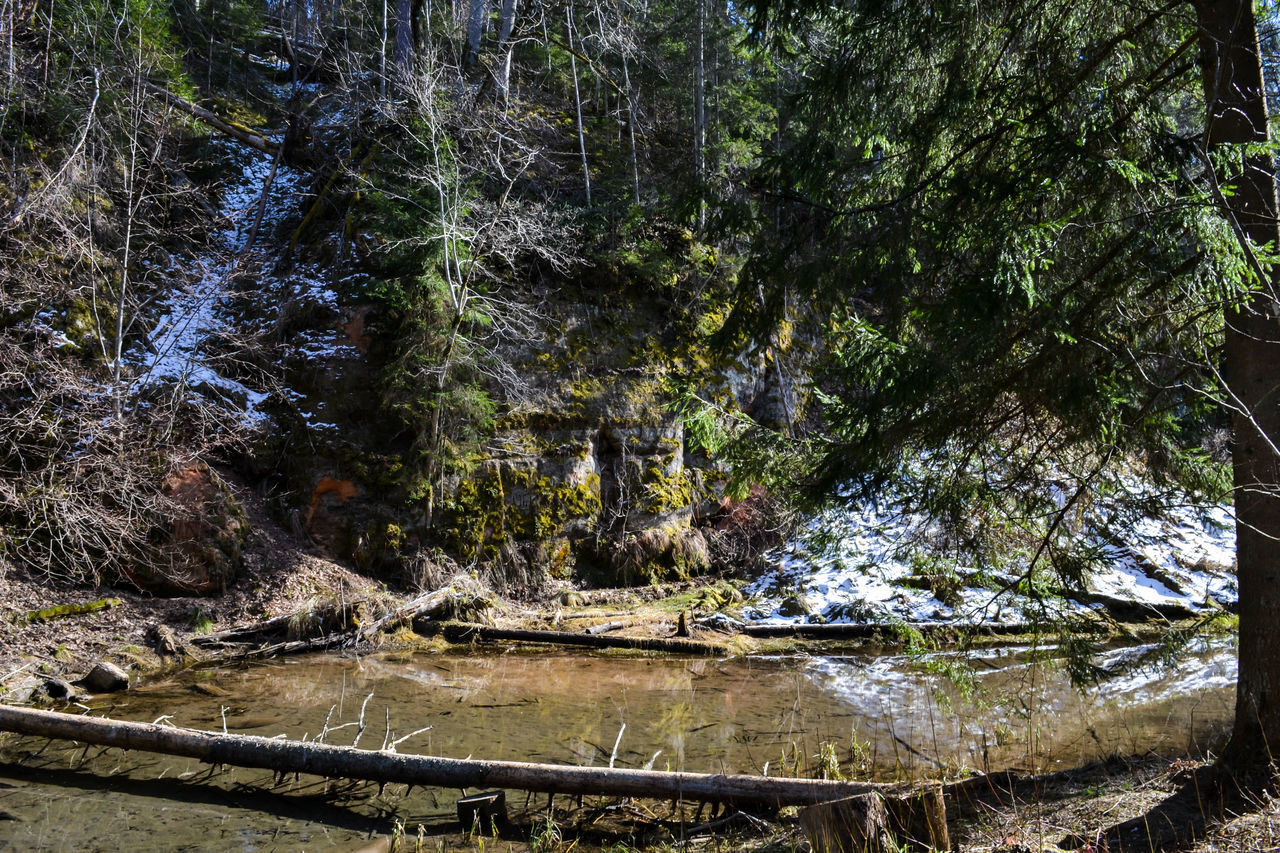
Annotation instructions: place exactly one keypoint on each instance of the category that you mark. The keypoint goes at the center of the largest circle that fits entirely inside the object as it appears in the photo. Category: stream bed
(879, 716)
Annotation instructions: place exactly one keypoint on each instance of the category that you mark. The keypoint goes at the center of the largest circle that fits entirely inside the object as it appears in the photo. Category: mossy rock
(506, 502)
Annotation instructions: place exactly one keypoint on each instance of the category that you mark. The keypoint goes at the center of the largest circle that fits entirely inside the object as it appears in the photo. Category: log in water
(320, 759)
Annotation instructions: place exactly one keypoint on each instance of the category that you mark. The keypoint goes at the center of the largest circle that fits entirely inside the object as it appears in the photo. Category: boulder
(105, 677)
(58, 690)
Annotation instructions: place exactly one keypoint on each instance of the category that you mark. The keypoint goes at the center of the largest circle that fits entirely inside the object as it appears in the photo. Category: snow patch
(864, 564)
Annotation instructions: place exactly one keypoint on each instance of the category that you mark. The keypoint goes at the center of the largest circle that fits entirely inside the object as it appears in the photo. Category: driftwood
(236, 131)
(425, 605)
(456, 632)
(287, 756)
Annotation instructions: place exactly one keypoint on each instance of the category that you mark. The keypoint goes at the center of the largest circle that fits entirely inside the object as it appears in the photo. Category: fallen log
(459, 632)
(867, 630)
(235, 131)
(62, 611)
(246, 633)
(427, 604)
(317, 618)
(328, 760)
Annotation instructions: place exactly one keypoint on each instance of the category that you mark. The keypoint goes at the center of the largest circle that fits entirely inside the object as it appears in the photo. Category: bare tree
(476, 11)
(484, 226)
(505, 47)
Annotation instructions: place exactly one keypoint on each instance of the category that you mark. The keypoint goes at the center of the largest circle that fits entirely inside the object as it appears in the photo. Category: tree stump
(855, 825)
(484, 813)
(919, 817)
(879, 822)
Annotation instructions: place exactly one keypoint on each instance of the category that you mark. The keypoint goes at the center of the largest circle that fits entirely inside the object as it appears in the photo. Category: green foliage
(429, 318)
(215, 34)
(1001, 228)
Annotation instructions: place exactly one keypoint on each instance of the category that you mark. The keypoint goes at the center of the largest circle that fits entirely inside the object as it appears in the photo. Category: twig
(401, 740)
(614, 756)
(360, 721)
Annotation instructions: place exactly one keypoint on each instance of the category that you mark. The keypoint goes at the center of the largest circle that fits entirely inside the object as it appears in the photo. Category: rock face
(204, 534)
(611, 500)
(583, 473)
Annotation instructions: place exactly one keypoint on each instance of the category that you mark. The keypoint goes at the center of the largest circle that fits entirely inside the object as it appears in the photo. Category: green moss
(663, 492)
(61, 611)
(492, 506)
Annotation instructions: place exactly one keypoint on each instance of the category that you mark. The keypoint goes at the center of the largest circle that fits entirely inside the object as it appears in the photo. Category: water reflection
(884, 716)
(1025, 715)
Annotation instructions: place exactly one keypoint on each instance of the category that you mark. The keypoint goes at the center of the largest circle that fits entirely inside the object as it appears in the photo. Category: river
(878, 716)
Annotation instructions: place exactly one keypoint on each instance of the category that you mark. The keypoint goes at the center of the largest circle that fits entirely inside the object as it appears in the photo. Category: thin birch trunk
(505, 48)
(577, 99)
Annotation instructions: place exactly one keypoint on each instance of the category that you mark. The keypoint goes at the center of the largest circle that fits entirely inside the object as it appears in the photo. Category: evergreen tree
(1022, 253)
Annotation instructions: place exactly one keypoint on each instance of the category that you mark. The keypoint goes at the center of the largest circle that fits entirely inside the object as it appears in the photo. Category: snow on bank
(177, 351)
(233, 289)
(867, 564)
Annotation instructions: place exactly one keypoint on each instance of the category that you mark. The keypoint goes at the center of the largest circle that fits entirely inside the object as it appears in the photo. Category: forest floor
(1065, 810)
(281, 575)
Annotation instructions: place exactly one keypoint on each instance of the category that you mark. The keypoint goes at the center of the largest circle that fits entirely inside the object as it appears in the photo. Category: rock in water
(58, 690)
(105, 677)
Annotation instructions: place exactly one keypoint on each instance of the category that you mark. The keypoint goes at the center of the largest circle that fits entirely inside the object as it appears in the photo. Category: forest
(779, 334)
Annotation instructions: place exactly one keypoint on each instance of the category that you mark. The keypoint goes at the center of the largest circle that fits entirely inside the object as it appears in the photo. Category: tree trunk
(1237, 113)
(505, 47)
(322, 759)
(577, 99)
(402, 58)
(475, 29)
(631, 131)
(700, 112)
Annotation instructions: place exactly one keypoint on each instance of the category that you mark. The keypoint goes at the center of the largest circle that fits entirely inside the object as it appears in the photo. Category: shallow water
(880, 716)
